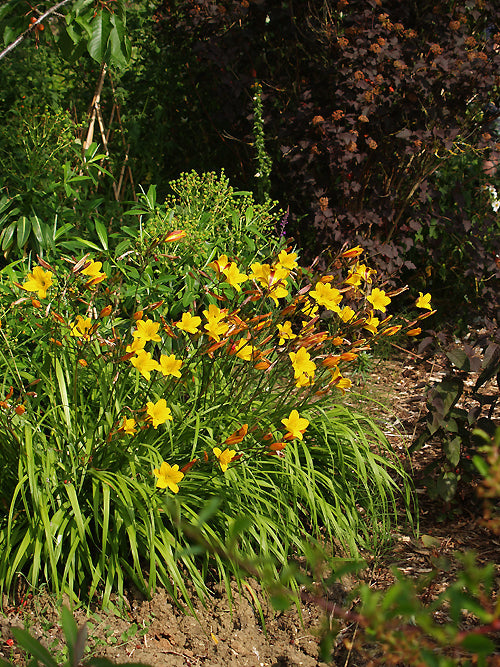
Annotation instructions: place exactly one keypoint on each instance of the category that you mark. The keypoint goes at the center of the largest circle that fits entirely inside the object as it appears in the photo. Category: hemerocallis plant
(127, 395)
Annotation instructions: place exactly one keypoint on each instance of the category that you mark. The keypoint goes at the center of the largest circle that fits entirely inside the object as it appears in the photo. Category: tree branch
(23, 35)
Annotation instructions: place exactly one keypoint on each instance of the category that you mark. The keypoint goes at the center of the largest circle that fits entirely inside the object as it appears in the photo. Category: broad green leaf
(7, 235)
(452, 450)
(459, 359)
(478, 644)
(23, 231)
(98, 42)
(102, 233)
(37, 230)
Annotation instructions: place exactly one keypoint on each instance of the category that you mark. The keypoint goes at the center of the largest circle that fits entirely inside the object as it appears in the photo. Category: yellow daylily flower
(295, 424)
(81, 327)
(215, 329)
(338, 380)
(271, 279)
(144, 363)
(326, 295)
(378, 299)
(233, 276)
(285, 332)
(244, 350)
(301, 362)
(346, 314)
(38, 281)
(147, 330)
(304, 380)
(136, 345)
(220, 264)
(424, 301)
(168, 477)
(93, 270)
(158, 413)
(371, 323)
(214, 312)
(189, 323)
(224, 457)
(128, 426)
(214, 326)
(169, 365)
(287, 260)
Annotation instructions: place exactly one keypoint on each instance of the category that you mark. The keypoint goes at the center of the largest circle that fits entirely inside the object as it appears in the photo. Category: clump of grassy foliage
(119, 428)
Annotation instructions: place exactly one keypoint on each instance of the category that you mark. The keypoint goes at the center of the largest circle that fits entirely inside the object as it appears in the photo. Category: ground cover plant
(118, 426)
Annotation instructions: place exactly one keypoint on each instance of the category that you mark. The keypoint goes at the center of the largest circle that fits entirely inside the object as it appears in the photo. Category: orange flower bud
(414, 332)
(353, 252)
(262, 365)
(331, 361)
(82, 363)
(348, 356)
(216, 346)
(188, 466)
(176, 235)
(35, 303)
(391, 330)
(20, 410)
(277, 446)
(106, 311)
(138, 315)
(237, 435)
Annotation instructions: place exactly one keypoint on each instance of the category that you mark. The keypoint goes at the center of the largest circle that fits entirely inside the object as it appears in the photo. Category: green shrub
(49, 185)
(214, 219)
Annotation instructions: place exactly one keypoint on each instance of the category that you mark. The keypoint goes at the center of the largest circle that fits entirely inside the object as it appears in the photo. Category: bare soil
(230, 633)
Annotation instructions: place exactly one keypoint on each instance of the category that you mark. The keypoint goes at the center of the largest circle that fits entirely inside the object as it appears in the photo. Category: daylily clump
(263, 341)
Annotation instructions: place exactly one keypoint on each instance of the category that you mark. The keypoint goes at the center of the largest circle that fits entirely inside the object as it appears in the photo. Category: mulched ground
(155, 632)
